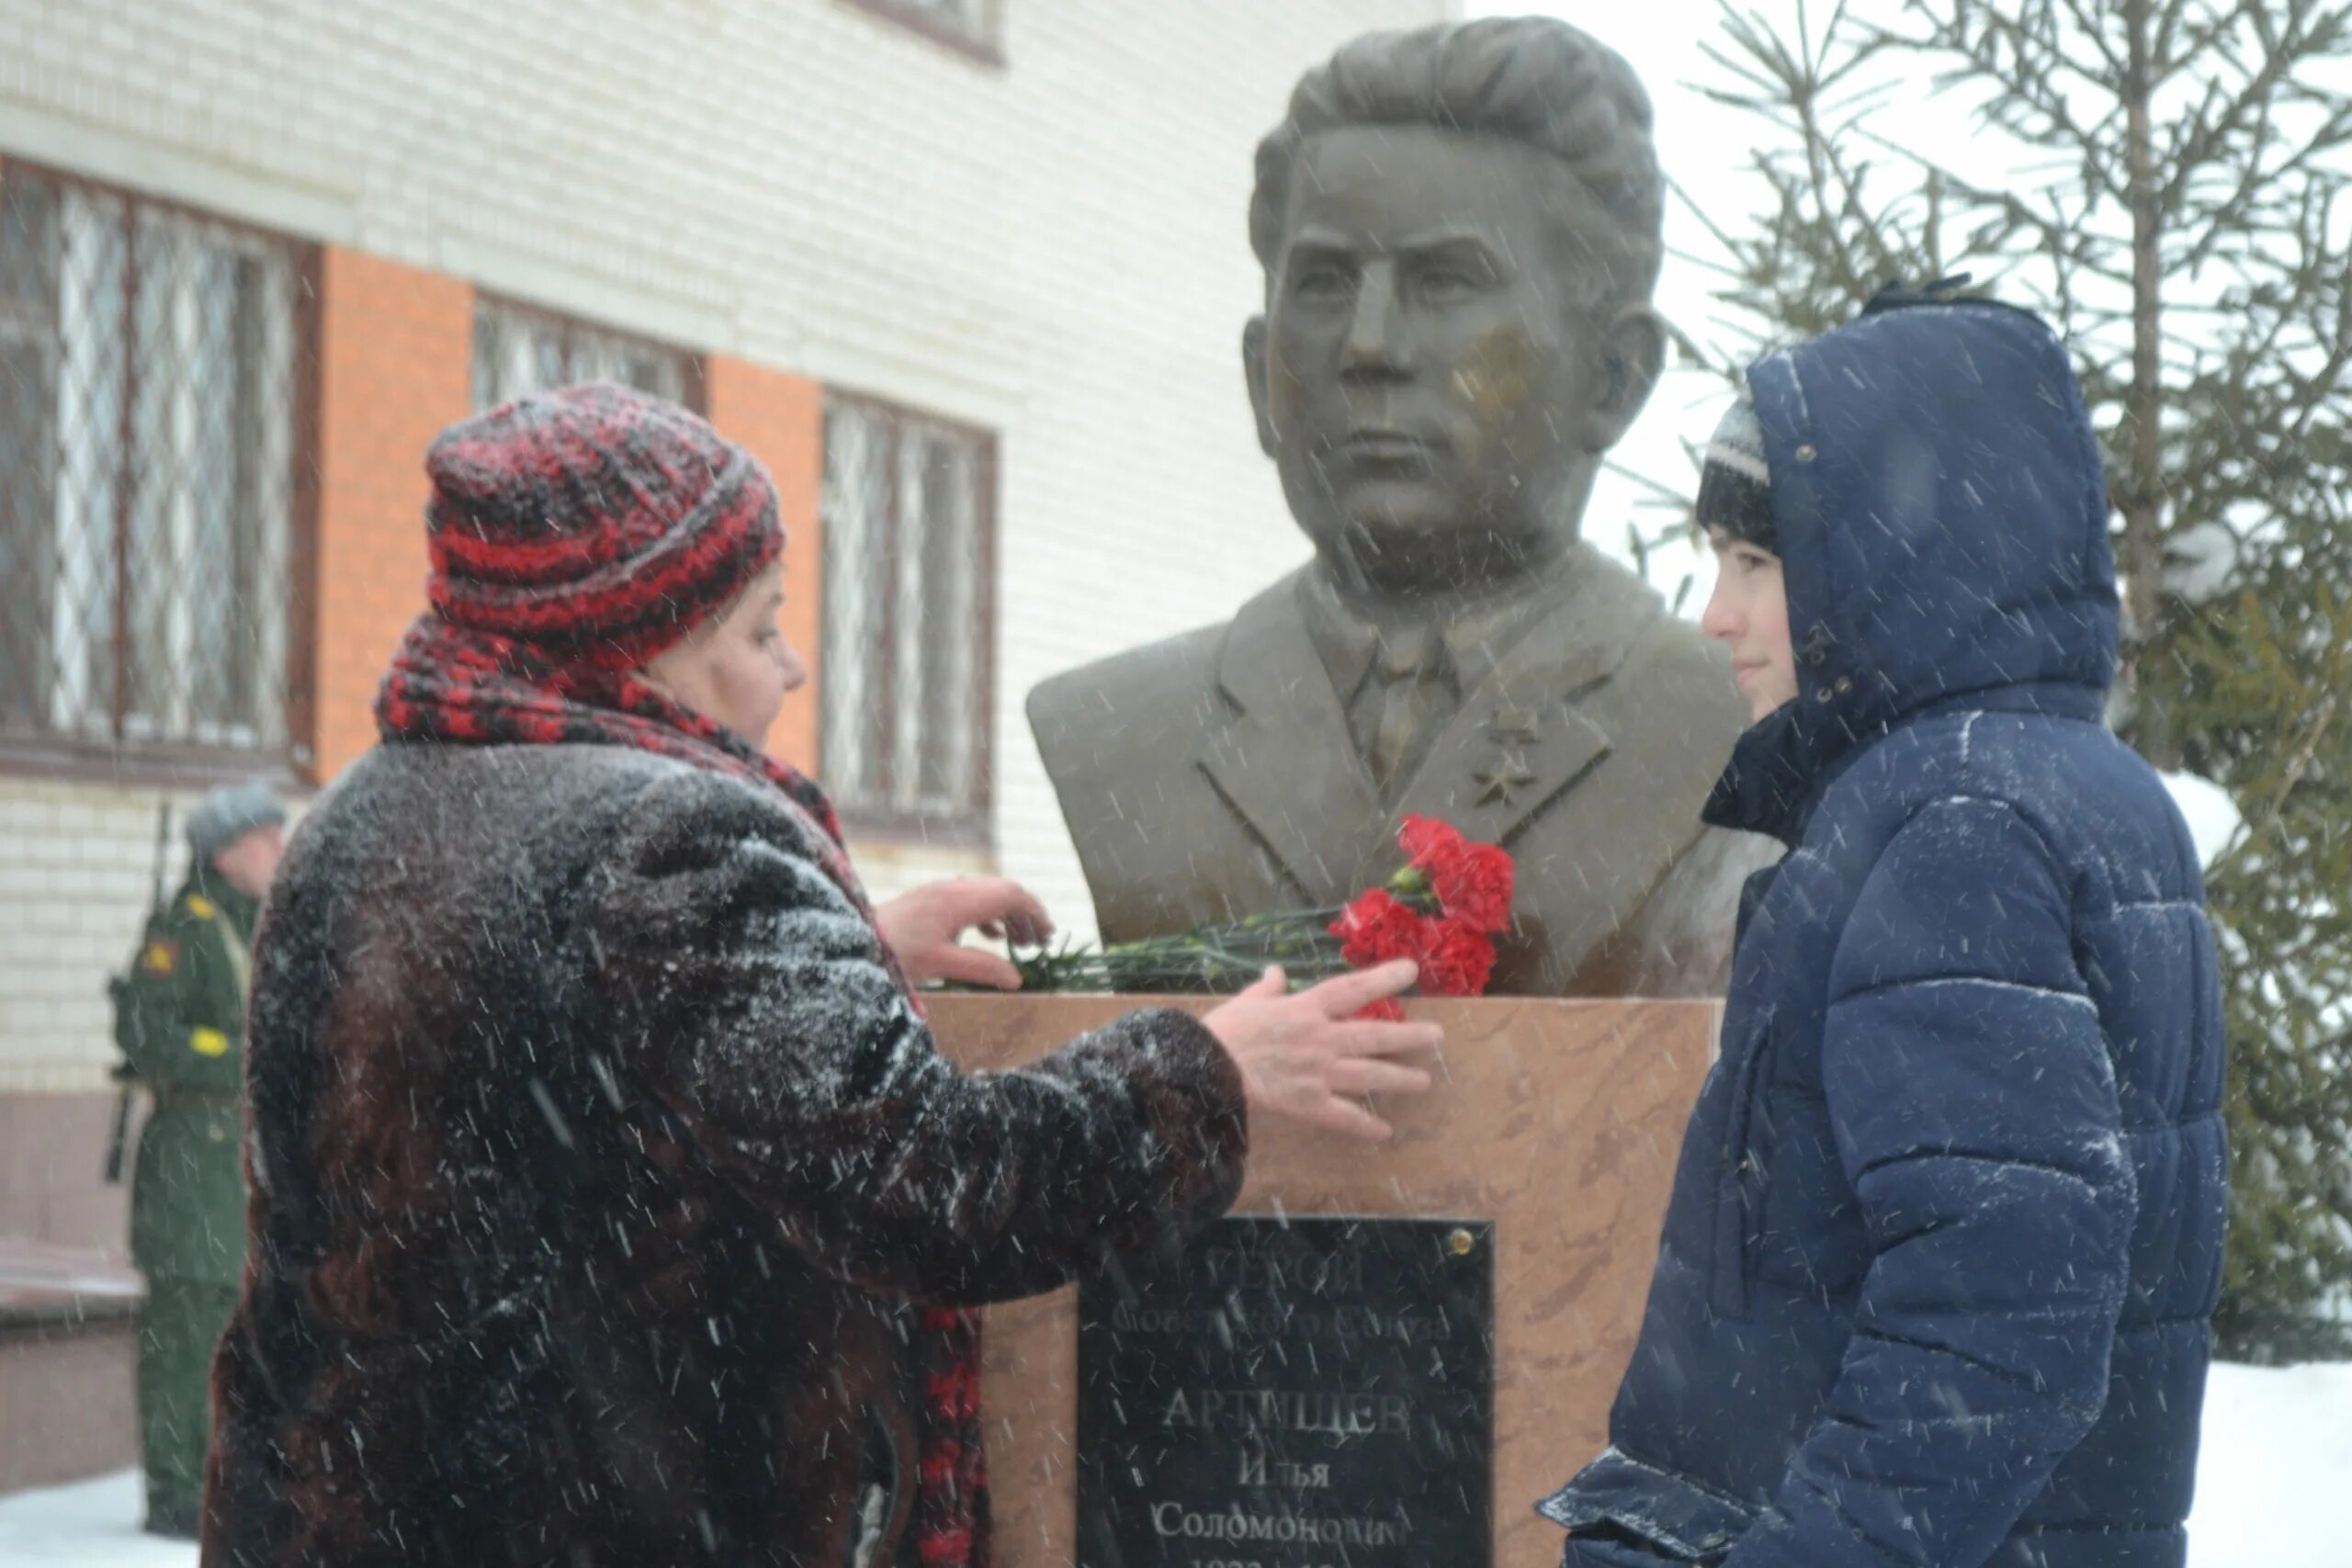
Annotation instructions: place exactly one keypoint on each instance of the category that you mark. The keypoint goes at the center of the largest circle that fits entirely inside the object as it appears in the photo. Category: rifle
(163, 851)
(119, 987)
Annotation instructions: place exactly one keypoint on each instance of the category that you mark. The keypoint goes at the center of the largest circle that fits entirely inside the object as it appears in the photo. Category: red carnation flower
(1455, 961)
(1426, 840)
(1477, 887)
(1473, 882)
(1373, 929)
(1377, 928)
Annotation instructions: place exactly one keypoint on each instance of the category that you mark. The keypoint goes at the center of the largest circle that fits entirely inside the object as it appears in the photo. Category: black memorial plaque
(1291, 1394)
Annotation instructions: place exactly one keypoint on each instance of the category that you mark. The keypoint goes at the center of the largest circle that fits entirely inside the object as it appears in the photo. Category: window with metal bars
(907, 666)
(520, 349)
(149, 432)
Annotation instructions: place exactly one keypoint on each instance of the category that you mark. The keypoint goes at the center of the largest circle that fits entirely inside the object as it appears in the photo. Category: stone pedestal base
(1559, 1120)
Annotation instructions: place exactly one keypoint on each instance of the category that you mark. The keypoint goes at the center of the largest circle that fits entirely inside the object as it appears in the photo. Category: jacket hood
(1943, 530)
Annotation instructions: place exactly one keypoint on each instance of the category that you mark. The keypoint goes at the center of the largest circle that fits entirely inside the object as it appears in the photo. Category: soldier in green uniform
(180, 1019)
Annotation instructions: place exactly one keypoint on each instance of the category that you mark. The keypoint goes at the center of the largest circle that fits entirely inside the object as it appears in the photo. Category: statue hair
(1532, 80)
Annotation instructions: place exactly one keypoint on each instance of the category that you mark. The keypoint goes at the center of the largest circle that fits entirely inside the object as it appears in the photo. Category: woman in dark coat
(1946, 1234)
(610, 1203)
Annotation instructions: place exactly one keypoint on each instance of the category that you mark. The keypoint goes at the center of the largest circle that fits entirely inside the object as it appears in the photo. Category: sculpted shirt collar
(1349, 636)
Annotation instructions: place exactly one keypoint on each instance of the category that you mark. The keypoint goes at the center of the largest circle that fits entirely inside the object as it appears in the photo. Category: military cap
(227, 814)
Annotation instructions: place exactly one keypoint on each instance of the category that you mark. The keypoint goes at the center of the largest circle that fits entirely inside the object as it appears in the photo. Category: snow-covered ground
(2274, 1487)
(2274, 1475)
(91, 1524)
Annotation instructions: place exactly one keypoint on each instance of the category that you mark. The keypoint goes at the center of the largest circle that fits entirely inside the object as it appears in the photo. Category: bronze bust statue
(1460, 231)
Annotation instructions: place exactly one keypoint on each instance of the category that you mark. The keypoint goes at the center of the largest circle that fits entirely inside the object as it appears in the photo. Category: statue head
(1460, 231)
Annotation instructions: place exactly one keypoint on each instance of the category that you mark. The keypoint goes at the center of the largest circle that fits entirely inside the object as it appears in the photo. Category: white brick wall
(77, 865)
(1054, 249)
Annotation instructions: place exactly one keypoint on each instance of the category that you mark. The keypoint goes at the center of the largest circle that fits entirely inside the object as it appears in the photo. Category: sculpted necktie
(1411, 668)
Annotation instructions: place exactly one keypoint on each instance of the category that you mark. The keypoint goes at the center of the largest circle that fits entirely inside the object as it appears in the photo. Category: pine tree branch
(1715, 231)
(2273, 812)
(2053, 232)
(2088, 14)
(1857, 213)
(2173, 56)
(2025, 89)
(2282, 56)
(2319, 392)
(2234, 216)
(2195, 477)
(1660, 491)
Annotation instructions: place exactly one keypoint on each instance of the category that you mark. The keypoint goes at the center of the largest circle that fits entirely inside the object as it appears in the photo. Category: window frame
(984, 47)
(976, 830)
(148, 763)
(697, 369)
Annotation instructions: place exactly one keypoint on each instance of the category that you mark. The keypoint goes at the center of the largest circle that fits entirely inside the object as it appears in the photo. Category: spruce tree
(2183, 221)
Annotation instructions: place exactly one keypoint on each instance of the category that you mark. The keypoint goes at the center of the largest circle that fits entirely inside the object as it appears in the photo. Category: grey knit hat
(1735, 483)
(227, 814)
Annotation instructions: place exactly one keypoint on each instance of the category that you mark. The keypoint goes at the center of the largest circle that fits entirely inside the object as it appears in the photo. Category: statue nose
(1375, 342)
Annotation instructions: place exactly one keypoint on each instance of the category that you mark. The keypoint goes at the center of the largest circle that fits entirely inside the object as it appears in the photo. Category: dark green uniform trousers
(181, 1321)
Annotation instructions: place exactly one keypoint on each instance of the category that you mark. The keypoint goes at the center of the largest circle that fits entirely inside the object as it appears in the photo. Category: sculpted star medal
(1503, 778)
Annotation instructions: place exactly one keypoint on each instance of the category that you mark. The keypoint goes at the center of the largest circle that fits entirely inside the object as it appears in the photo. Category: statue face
(1437, 374)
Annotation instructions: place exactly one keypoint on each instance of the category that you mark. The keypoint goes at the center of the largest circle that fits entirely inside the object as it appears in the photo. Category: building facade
(969, 275)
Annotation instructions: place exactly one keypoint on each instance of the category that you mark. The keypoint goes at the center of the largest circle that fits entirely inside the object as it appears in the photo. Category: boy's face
(1749, 614)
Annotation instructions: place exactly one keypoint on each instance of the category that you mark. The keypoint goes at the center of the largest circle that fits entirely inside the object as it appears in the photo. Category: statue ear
(1253, 368)
(1632, 356)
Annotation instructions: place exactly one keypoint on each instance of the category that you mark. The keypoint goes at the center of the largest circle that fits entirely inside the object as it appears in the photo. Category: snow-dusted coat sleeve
(1976, 1116)
(746, 992)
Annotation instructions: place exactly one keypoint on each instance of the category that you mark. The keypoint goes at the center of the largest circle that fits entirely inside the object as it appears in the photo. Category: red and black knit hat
(598, 522)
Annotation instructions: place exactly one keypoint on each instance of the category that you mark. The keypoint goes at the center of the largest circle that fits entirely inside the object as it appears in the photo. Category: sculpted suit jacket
(1215, 775)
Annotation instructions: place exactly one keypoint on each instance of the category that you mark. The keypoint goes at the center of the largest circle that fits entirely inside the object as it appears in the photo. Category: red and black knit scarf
(451, 686)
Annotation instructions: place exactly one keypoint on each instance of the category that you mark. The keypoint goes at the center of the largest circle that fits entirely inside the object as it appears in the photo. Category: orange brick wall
(395, 357)
(395, 366)
(781, 419)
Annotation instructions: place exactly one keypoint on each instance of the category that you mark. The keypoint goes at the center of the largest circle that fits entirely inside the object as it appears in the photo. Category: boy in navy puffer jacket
(1946, 1234)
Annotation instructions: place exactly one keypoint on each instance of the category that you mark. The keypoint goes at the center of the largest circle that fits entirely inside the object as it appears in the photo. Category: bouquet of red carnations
(1443, 909)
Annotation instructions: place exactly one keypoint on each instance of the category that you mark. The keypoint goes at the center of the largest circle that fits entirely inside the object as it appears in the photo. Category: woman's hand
(925, 930)
(1305, 1056)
